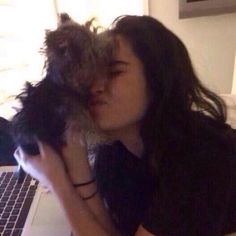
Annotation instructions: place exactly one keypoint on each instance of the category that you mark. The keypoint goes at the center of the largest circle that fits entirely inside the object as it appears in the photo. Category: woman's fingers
(45, 149)
(20, 156)
(47, 167)
(17, 155)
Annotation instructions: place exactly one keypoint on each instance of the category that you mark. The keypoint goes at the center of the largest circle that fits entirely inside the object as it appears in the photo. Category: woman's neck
(130, 137)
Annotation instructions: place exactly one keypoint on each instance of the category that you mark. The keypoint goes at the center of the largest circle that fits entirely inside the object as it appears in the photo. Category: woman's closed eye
(117, 68)
(115, 73)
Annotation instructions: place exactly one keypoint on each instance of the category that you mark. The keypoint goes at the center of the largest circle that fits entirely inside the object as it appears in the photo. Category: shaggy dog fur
(75, 56)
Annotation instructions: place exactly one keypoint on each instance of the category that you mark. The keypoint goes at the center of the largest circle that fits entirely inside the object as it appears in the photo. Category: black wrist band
(85, 183)
(91, 196)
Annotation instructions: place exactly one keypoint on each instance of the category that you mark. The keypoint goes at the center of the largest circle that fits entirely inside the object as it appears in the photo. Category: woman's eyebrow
(118, 62)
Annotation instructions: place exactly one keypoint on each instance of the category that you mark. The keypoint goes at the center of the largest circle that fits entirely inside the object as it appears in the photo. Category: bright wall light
(234, 78)
(22, 32)
(105, 11)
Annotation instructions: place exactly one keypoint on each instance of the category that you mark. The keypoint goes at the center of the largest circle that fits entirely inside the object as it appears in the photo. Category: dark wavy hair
(177, 95)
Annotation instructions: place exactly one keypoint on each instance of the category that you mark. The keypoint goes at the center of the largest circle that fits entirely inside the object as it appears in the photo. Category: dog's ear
(63, 18)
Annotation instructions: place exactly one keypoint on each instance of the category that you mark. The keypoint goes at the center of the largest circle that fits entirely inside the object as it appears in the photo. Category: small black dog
(7, 146)
(75, 56)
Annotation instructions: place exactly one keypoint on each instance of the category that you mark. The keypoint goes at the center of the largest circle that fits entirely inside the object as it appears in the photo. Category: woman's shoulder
(211, 145)
(210, 134)
(197, 185)
(207, 155)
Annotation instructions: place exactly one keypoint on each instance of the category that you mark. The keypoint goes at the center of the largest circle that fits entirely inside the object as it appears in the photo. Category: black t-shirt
(195, 193)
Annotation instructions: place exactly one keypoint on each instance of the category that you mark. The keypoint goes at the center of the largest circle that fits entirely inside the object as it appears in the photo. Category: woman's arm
(79, 170)
(85, 217)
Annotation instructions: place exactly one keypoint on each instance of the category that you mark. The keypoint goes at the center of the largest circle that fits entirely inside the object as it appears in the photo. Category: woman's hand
(75, 157)
(47, 167)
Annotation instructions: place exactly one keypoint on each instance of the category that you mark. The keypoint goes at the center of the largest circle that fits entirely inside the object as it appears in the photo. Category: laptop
(26, 209)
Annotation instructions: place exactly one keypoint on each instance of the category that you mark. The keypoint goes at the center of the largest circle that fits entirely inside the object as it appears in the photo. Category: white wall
(233, 91)
(211, 42)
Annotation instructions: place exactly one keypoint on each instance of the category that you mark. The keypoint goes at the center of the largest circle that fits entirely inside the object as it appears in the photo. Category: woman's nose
(98, 86)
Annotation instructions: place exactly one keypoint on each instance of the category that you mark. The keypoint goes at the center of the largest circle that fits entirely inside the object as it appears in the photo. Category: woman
(171, 168)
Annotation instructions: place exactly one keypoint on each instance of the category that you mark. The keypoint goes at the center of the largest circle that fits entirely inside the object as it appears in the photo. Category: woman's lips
(96, 104)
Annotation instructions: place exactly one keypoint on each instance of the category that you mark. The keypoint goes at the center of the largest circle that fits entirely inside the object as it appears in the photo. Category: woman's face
(119, 102)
